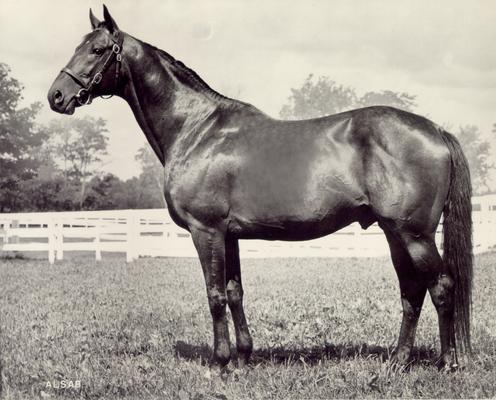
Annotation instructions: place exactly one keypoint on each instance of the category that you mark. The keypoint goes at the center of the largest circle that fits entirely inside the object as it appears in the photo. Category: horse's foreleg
(210, 245)
(244, 343)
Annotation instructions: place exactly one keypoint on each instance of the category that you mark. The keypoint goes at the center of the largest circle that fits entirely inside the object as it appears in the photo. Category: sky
(256, 51)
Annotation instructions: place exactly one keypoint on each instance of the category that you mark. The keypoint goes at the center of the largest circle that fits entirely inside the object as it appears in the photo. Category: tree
(477, 152)
(403, 100)
(151, 179)
(20, 137)
(323, 96)
(316, 98)
(45, 195)
(79, 144)
(105, 192)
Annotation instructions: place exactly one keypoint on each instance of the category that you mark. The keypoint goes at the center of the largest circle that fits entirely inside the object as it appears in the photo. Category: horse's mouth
(70, 107)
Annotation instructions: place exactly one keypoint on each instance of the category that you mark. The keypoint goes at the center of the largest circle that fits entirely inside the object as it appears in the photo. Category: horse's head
(93, 70)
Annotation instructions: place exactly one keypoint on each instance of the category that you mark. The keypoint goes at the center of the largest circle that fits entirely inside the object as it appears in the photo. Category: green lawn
(322, 328)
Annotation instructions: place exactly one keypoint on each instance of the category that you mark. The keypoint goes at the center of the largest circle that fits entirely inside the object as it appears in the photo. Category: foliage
(318, 98)
(45, 195)
(323, 96)
(105, 192)
(79, 144)
(143, 330)
(151, 179)
(403, 100)
(477, 150)
(20, 137)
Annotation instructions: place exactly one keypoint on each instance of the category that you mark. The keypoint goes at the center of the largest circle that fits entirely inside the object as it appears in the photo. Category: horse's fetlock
(244, 344)
(446, 282)
(217, 302)
(222, 355)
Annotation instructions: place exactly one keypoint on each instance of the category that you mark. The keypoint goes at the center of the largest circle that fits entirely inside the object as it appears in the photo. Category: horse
(232, 172)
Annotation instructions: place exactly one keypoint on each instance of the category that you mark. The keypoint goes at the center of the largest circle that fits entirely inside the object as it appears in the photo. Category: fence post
(14, 238)
(98, 243)
(133, 235)
(59, 229)
(51, 239)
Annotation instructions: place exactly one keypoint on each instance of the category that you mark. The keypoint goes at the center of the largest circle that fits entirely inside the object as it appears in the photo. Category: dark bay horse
(232, 172)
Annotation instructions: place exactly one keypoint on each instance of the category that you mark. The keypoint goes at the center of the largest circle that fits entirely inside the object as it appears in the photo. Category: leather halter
(84, 95)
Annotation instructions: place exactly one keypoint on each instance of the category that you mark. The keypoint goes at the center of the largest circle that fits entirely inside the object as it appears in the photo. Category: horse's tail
(457, 240)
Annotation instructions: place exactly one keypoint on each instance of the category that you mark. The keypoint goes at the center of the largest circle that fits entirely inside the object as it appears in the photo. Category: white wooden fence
(152, 233)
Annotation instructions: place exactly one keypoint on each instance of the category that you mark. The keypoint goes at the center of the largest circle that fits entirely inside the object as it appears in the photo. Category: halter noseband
(84, 94)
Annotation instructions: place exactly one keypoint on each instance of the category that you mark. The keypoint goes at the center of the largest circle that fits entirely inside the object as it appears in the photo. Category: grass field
(322, 328)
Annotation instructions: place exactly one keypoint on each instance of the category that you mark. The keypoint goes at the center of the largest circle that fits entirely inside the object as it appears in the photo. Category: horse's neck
(165, 107)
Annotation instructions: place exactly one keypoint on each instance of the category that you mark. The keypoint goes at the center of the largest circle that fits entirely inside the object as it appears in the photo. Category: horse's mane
(183, 73)
(190, 78)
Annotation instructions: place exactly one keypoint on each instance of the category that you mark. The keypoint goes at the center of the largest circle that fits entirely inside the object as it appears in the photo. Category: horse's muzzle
(61, 97)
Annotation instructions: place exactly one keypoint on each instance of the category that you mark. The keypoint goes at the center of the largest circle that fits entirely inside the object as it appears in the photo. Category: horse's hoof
(215, 371)
(238, 373)
(448, 362)
(447, 366)
(243, 362)
(400, 357)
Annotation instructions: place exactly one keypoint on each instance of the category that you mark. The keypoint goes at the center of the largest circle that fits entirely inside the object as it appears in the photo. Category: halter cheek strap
(84, 95)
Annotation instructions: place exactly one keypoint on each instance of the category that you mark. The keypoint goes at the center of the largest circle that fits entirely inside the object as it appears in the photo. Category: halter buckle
(116, 48)
(97, 78)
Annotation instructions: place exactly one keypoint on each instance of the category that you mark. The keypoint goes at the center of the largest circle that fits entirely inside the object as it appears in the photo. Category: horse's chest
(172, 194)
(196, 194)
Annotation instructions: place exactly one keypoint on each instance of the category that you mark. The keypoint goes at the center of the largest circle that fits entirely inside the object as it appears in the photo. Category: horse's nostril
(58, 97)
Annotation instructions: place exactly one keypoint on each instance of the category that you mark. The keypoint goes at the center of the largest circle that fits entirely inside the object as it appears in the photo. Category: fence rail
(152, 233)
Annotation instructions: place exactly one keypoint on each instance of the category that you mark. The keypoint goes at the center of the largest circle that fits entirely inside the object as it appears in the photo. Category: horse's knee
(234, 293)
(217, 302)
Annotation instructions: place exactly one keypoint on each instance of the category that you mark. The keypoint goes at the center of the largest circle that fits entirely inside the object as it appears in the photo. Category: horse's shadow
(308, 356)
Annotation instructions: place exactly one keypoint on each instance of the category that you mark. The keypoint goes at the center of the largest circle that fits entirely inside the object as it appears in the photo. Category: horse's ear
(109, 21)
(94, 20)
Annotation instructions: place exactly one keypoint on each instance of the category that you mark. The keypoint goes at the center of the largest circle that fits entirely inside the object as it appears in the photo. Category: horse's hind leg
(441, 290)
(427, 270)
(244, 343)
(412, 291)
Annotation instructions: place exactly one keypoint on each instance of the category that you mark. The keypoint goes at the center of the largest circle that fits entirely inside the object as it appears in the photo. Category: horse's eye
(98, 51)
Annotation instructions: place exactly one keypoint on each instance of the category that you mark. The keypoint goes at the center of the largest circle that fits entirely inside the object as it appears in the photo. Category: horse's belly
(295, 207)
(302, 223)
